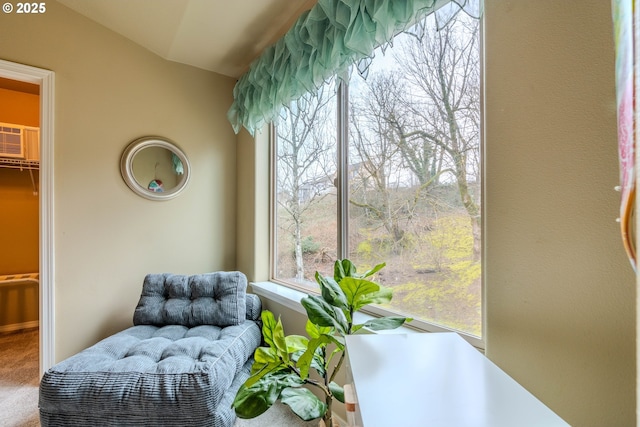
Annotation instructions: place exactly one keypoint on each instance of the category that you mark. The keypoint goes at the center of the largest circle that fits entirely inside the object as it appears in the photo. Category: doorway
(45, 80)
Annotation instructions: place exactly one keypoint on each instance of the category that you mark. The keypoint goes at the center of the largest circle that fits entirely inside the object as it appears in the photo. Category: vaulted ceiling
(223, 36)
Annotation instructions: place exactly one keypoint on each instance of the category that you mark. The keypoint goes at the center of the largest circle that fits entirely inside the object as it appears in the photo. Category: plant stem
(337, 368)
(328, 422)
(328, 416)
(310, 381)
(324, 389)
(339, 365)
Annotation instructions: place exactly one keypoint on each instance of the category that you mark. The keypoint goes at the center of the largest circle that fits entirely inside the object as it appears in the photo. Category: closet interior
(19, 201)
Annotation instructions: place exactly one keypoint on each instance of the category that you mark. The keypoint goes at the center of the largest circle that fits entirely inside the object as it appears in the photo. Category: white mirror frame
(126, 167)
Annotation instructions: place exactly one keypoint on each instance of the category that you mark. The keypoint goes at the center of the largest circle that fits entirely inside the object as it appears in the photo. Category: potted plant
(281, 369)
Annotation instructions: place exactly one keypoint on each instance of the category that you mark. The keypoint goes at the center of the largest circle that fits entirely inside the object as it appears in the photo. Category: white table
(436, 380)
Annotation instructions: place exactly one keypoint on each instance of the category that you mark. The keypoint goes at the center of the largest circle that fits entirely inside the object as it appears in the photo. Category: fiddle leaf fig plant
(282, 369)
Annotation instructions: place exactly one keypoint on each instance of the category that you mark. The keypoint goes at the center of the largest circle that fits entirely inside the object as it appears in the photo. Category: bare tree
(424, 116)
(441, 68)
(304, 163)
(376, 155)
(392, 106)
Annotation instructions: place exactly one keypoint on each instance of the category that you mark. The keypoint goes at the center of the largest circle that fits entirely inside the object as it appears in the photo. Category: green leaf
(256, 399)
(383, 323)
(303, 403)
(259, 370)
(339, 341)
(257, 367)
(356, 328)
(374, 270)
(265, 355)
(318, 362)
(305, 361)
(314, 331)
(336, 391)
(249, 403)
(268, 325)
(333, 353)
(280, 342)
(331, 291)
(356, 289)
(296, 343)
(382, 296)
(323, 314)
(343, 268)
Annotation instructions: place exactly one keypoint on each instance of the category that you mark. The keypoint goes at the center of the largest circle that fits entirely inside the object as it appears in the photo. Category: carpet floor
(19, 378)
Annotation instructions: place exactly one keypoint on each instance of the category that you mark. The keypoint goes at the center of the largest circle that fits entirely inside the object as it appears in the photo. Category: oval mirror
(155, 168)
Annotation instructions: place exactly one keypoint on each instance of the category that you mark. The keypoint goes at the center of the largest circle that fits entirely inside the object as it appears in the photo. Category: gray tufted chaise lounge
(181, 363)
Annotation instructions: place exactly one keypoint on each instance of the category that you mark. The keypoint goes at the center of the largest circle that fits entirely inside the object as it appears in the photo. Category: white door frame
(45, 79)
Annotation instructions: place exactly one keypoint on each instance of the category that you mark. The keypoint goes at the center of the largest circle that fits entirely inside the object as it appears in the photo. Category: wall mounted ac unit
(11, 142)
(19, 142)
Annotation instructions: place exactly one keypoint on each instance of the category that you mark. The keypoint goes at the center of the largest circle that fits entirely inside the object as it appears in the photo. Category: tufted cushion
(154, 375)
(205, 299)
(254, 307)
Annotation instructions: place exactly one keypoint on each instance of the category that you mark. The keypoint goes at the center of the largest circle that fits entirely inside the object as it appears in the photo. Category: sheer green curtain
(323, 42)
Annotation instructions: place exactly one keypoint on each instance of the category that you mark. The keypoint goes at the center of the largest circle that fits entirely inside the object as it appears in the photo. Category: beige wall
(253, 205)
(109, 92)
(560, 293)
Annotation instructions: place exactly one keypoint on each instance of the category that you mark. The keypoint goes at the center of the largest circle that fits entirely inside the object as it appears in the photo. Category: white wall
(109, 92)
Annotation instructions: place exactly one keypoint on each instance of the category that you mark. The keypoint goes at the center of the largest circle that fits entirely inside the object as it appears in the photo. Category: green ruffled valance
(323, 42)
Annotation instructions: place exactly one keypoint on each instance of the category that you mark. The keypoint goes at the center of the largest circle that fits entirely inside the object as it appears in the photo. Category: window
(305, 195)
(387, 168)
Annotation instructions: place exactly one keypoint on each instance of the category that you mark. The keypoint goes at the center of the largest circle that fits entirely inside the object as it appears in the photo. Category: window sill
(290, 298)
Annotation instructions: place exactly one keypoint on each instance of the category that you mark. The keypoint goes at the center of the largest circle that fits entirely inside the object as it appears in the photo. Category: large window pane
(414, 174)
(306, 216)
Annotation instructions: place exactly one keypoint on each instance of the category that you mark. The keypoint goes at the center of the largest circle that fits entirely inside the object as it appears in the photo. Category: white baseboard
(18, 326)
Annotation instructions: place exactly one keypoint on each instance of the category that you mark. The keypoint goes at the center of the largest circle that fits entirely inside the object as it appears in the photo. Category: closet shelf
(21, 164)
